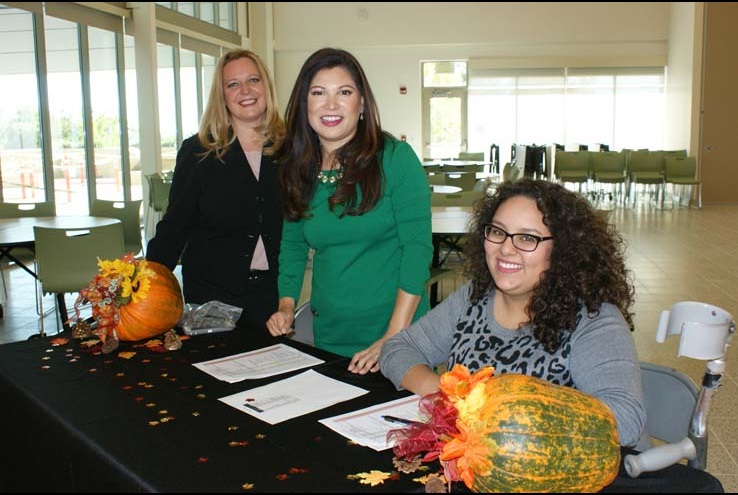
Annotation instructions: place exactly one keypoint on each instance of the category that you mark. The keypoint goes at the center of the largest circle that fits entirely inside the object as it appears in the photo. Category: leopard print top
(480, 341)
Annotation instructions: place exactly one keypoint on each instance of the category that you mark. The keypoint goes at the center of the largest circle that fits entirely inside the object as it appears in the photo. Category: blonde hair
(215, 132)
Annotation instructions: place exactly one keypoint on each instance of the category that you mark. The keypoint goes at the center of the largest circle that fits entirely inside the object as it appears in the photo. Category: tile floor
(675, 255)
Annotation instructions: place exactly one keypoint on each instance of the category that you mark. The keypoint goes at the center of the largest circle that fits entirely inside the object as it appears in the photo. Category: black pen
(402, 421)
(253, 407)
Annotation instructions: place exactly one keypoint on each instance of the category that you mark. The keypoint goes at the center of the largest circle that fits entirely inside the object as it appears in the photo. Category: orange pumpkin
(158, 312)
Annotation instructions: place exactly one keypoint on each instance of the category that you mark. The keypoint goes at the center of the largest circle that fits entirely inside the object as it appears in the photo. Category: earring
(361, 115)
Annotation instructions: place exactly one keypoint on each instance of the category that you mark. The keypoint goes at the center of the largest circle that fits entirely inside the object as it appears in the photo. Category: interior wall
(719, 168)
(680, 67)
(391, 40)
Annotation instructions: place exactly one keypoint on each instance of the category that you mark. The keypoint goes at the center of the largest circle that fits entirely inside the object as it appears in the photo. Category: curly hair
(587, 265)
(300, 154)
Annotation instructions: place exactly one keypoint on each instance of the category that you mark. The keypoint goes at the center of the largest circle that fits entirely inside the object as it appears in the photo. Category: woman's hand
(280, 323)
(366, 360)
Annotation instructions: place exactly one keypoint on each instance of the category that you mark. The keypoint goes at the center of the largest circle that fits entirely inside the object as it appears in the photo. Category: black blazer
(217, 210)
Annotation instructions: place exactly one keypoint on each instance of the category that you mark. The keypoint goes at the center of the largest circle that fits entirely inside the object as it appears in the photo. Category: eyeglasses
(523, 242)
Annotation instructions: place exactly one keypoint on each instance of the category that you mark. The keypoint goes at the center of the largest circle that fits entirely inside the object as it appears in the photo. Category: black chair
(494, 158)
(535, 161)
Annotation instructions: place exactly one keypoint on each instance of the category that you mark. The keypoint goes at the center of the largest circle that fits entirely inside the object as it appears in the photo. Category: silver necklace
(330, 179)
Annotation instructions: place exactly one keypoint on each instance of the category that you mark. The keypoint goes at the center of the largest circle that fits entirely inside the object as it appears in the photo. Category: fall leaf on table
(405, 466)
(429, 478)
(126, 354)
(247, 486)
(296, 470)
(59, 341)
(89, 343)
(372, 478)
(436, 483)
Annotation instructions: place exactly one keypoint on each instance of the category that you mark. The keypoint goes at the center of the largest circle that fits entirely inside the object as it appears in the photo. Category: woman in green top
(360, 199)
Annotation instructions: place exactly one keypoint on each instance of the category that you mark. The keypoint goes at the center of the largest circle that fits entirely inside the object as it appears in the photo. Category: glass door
(445, 124)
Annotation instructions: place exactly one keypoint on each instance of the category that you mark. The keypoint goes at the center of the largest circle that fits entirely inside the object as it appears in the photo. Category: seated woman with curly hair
(548, 296)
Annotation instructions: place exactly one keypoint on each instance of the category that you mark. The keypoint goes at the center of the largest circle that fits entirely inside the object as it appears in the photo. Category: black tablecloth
(77, 421)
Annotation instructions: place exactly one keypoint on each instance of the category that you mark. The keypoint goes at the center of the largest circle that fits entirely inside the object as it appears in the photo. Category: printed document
(369, 427)
(292, 397)
(261, 363)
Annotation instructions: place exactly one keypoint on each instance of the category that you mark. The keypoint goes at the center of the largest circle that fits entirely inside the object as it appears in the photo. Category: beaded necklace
(330, 179)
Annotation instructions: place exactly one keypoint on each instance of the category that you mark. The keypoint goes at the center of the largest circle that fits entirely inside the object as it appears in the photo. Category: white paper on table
(366, 426)
(261, 363)
(292, 397)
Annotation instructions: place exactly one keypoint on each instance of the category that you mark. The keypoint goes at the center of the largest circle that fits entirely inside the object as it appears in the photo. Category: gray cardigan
(598, 357)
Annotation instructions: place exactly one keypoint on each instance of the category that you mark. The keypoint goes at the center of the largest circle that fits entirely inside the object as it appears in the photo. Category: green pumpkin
(547, 438)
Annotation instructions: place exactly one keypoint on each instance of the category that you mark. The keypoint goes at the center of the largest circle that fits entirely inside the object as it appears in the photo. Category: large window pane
(619, 107)
(208, 71)
(67, 122)
(227, 15)
(493, 114)
(21, 163)
(105, 114)
(167, 105)
(134, 149)
(188, 88)
(447, 132)
(634, 127)
(589, 109)
(540, 109)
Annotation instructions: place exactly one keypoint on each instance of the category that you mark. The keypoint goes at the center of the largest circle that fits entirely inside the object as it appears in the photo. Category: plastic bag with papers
(210, 317)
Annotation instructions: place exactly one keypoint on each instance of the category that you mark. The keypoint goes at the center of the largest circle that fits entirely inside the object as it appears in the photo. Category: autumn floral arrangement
(131, 299)
(512, 433)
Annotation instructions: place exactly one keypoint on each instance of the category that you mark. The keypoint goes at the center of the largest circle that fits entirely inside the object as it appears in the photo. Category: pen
(395, 419)
(253, 408)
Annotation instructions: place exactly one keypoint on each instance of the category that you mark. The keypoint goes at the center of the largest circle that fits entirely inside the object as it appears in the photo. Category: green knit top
(360, 262)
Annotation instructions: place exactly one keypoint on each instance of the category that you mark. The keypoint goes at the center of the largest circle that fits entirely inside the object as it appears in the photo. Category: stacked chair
(646, 168)
(608, 167)
(682, 171)
(572, 166)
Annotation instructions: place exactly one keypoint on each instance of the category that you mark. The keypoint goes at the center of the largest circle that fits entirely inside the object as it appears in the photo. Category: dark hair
(587, 266)
(300, 156)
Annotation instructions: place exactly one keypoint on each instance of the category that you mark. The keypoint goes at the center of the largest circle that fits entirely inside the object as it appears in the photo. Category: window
(21, 158)
(444, 103)
(618, 107)
(69, 122)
